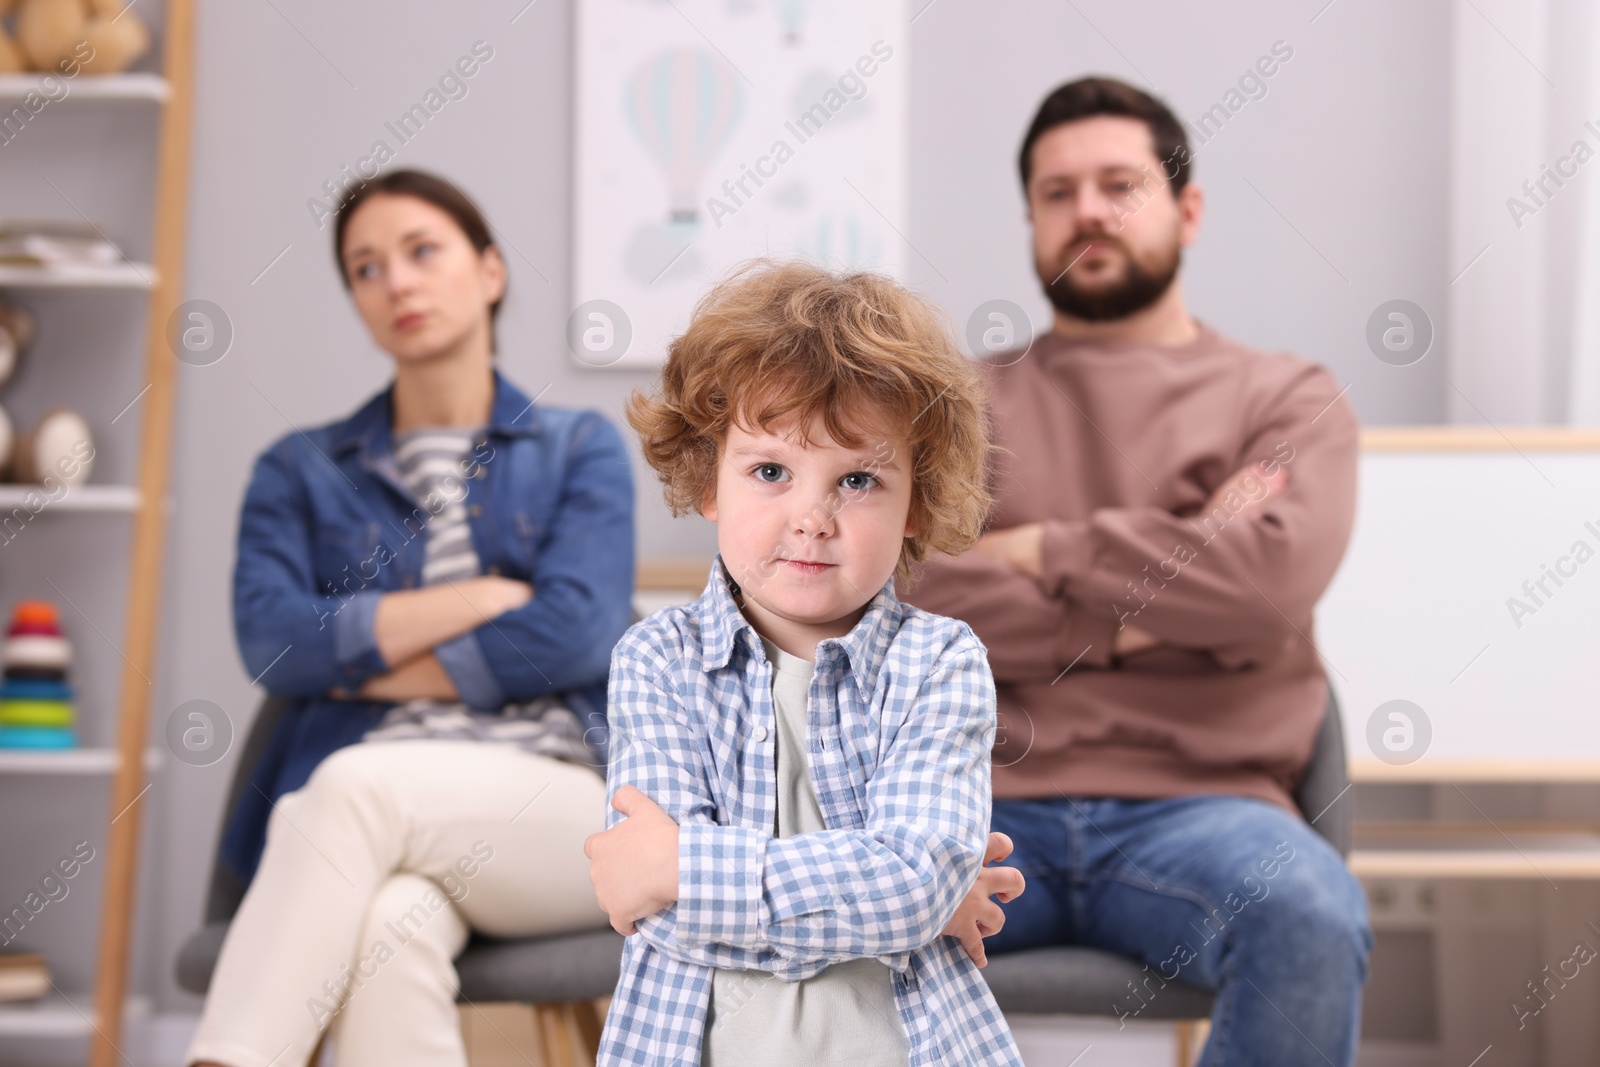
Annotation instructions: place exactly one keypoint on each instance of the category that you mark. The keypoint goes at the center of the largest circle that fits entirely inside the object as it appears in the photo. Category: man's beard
(1138, 289)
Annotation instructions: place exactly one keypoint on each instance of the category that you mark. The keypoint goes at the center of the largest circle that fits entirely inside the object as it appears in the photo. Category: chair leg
(553, 1033)
(588, 1020)
(1191, 1035)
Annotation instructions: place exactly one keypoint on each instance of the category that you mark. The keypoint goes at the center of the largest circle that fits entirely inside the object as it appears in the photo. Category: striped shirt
(901, 717)
(431, 463)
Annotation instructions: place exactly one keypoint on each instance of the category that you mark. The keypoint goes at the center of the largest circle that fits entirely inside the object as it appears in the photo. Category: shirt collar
(370, 429)
(864, 647)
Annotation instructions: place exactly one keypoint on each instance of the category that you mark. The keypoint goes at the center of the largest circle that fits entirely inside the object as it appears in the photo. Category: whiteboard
(710, 132)
(1424, 607)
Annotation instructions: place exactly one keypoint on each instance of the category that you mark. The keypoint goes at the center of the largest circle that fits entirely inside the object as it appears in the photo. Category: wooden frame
(149, 537)
(1479, 439)
(558, 1035)
(665, 573)
(1477, 771)
(1499, 864)
(1437, 858)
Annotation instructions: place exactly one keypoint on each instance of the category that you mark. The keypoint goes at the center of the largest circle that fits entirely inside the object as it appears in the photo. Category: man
(1170, 505)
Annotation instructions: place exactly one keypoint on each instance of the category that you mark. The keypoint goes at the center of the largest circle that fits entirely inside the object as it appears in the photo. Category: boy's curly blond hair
(776, 340)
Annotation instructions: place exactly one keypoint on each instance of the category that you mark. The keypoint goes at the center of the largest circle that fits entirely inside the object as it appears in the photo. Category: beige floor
(508, 1035)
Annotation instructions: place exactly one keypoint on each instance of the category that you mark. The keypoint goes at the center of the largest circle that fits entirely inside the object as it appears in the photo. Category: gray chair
(563, 976)
(1086, 981)
(560, 977)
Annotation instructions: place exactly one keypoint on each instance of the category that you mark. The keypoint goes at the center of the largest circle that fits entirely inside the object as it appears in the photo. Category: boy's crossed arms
(899, 872)
(634, 867)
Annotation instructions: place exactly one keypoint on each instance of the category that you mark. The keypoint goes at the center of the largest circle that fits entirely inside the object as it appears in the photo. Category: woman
(440, 577)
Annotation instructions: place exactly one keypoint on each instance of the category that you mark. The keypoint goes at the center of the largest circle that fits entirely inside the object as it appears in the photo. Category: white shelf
(1519, 853)
(58, 1015)
(51, 1016)
(67, 760)
(117, 276)
(1493, 864)
(14, 87)
(83, 498)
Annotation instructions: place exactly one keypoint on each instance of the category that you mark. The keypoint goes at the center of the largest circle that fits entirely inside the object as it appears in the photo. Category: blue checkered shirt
(901, 717)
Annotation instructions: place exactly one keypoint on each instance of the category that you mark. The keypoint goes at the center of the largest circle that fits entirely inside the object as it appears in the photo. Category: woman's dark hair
(1088, 97)
(439, 192)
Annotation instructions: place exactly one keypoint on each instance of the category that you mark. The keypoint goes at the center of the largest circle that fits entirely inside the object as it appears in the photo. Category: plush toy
(12, 61)
(17, 330)
(98, 36)
(7, 441)
(60, 447)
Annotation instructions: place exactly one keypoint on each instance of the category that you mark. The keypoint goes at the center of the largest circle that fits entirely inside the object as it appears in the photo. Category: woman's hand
(493, 595)
(979, 916)
(634, 865)
(421, 677)
(409, 622)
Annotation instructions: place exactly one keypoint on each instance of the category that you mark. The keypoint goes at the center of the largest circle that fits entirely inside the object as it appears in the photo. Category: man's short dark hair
(1088, 97)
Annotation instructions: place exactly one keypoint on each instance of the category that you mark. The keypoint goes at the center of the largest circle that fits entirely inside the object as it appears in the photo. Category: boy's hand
(979, 917)
(634, 865)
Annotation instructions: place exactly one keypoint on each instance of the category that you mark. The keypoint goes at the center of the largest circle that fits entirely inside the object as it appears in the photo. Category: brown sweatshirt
(1117, 447)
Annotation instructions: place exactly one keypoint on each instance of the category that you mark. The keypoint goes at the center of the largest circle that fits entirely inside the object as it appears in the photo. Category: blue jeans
(1222, 892)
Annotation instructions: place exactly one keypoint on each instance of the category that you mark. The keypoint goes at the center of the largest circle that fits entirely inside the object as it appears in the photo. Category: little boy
(799, 767)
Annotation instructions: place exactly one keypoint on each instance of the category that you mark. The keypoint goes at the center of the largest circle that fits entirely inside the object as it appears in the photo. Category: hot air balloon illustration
(840, 242)
(791, 16)
(683, 104)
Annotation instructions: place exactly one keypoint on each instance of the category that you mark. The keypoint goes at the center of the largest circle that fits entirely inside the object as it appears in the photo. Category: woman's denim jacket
(328, 528)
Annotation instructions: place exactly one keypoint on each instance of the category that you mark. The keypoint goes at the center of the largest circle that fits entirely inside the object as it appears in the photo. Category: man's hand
(1130, 639)
(1020, 546)
(978, 916)
(1253, 486)
(634, 865)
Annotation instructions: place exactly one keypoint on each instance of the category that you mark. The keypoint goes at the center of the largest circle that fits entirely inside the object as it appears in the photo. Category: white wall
(1347, 149)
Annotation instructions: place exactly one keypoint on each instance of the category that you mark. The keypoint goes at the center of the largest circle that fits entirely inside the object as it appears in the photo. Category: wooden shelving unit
(99, 1014)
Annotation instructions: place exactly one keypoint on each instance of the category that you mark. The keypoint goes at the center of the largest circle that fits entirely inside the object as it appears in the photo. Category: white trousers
(374, 874)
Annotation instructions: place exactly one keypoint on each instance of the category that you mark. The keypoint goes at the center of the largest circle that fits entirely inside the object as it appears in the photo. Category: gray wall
(1346, 148)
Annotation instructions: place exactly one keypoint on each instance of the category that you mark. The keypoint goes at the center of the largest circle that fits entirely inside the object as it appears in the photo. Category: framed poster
(711, 132)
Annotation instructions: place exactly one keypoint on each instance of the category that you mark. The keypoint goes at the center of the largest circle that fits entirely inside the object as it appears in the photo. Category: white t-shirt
(431, 462)
(845, 1015)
